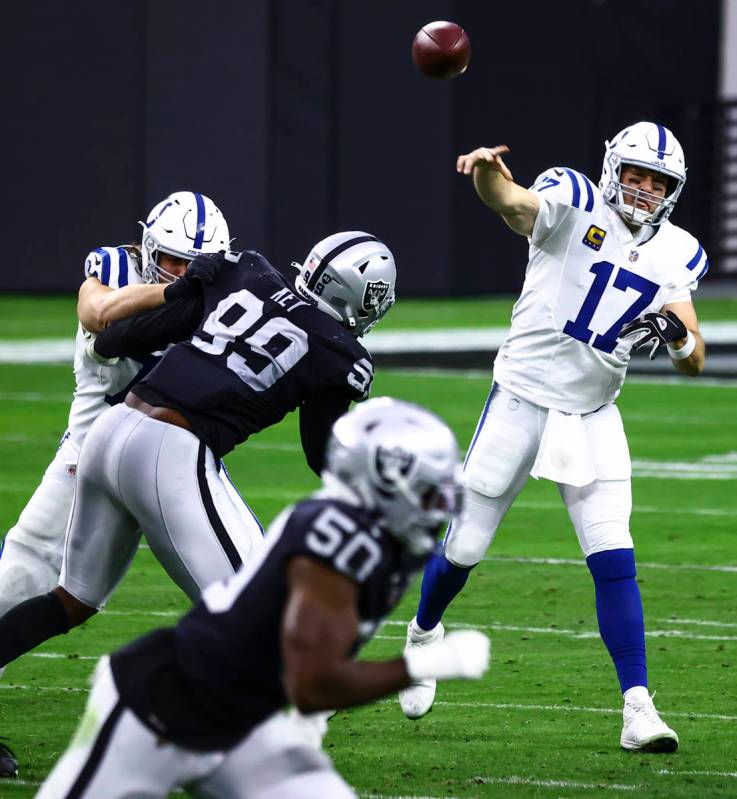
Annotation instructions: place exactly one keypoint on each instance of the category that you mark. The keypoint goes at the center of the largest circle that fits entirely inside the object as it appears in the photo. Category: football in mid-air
(441, 50)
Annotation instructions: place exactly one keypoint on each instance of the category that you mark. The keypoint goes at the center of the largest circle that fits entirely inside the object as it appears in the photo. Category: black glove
(200, 272)
(656, 329)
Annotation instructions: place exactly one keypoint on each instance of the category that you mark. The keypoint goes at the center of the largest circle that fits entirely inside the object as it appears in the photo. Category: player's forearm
(128, 301)
(98, 306)
(694, 364)
(515, 204)
(346, 684)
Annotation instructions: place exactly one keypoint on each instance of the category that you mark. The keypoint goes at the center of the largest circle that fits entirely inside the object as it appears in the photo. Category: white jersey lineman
(32, 551)
(586, 278)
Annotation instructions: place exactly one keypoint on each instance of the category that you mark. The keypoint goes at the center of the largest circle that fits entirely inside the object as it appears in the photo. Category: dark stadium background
(301, 117)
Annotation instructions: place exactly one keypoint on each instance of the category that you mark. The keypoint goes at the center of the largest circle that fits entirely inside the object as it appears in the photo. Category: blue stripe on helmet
(105, 276)
(661, 141)
(122, 267)
(200, 234)
(589, 193)
(576, 200)
(695, 260)
(704, 270)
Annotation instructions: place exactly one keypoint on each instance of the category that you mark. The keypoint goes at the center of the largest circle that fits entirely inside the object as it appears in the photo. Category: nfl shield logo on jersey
(374, 294)
(634, 255)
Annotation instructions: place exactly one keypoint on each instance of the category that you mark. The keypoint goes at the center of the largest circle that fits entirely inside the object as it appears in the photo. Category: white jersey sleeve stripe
(694, 262)
(589, 193)
(576, 198)
(122, 267)
(105, 271)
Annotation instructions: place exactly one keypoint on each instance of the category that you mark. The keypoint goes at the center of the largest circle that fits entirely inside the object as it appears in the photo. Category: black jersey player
(200, 704)
(262, 348)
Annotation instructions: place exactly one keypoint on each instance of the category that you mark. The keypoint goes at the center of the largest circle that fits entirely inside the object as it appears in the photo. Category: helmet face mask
(402, 462)
(650, 147)
(350, 276)
(183, 225)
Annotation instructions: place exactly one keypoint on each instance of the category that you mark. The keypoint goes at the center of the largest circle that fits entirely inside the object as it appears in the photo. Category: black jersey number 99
(259, 352)
(335, 535)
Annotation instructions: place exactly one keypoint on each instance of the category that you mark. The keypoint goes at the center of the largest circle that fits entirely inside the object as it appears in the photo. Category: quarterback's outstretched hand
(464, 654)
(490, 157)
(655, 329)
(201, 272)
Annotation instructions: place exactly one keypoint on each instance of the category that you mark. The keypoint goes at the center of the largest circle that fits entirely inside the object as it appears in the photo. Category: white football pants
(114, 756)
(498, 464)
(135, 473)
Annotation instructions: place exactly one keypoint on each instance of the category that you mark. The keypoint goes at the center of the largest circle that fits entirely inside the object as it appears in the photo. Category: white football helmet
(350, 276)
(183, 225)
(402, 461)
(650, 146)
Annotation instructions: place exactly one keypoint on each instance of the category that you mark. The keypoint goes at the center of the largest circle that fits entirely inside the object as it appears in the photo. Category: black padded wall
(303, 117)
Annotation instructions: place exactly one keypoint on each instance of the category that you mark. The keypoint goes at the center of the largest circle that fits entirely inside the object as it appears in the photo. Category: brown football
(441, 50)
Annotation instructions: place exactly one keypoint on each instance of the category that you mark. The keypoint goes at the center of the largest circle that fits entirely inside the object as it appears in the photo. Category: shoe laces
(646, 709)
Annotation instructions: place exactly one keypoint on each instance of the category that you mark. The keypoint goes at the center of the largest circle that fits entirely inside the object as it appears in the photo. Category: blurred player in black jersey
(200, 705)
(262, 347)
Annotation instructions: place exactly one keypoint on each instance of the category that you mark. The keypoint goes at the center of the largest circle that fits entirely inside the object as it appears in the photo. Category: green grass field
(545, 721)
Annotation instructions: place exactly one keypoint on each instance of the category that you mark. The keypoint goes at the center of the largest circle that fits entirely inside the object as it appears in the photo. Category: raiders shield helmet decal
(374, 294)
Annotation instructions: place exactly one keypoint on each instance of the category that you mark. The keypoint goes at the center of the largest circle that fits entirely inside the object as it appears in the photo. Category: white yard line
(617, 711)
(574, 634)
(669, 773)
(34, 396)
(697, 622)
(570, 784)
(407, 796)
(640, 565)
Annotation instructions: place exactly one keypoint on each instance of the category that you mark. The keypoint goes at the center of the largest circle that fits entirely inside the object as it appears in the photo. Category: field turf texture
(545, 720)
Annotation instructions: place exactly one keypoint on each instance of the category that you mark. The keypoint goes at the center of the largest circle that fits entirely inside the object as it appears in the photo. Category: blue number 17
(578, 328)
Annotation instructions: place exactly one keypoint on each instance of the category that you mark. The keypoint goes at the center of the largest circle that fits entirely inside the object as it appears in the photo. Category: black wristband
(181, 288)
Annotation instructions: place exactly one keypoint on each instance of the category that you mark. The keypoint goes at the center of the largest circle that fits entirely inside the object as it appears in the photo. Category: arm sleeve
(152, 330)
(316, 419)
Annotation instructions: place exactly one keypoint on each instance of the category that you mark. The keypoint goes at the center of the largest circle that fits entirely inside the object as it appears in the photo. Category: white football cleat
(644, 730)
(417, 700)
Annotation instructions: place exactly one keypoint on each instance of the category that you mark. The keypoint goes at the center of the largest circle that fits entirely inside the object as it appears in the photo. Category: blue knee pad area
(619, 612)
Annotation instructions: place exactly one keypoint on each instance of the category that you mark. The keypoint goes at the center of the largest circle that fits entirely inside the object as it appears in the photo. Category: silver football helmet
(401, 461)
(650, 146)
(185, 224)
(350, 276)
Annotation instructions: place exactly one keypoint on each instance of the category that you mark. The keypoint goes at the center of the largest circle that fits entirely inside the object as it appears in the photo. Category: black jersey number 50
(333, 535)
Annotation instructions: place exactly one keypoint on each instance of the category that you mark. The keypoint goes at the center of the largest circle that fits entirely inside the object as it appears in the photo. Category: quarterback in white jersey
(607, 272)
(119, 281)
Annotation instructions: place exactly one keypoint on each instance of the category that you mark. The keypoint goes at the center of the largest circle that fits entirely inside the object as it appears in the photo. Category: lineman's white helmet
(185, 224)
(650, 146)
(350, 276)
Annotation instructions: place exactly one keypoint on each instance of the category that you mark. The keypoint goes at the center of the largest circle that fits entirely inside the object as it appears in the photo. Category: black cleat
(8, 762)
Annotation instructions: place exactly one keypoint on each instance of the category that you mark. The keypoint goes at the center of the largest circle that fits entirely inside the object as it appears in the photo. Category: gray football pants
(114, 756)
(136, 473)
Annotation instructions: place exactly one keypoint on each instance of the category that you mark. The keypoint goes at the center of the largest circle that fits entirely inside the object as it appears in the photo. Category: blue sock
(619, 610)
(440, 584)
